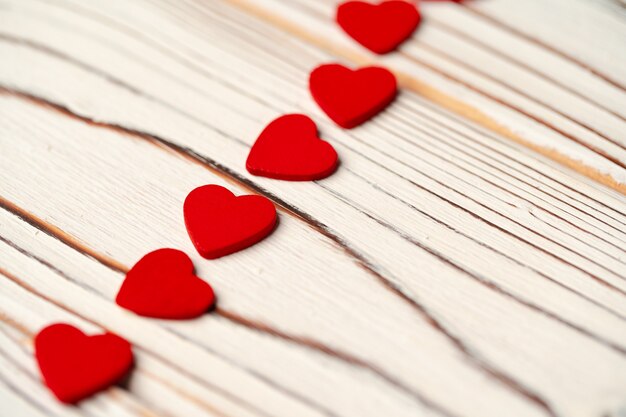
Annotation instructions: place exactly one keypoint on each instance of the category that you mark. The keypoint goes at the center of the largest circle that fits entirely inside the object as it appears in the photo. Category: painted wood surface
(548, 75)
(444, 270)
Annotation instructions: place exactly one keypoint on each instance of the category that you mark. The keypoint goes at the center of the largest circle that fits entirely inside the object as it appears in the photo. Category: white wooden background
(468, 258)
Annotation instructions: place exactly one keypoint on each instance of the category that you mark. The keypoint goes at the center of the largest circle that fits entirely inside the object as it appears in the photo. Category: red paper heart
(289, 149)
(378, 27)
(352, 97)
(219, 223)
(75, 366)
(162, 285)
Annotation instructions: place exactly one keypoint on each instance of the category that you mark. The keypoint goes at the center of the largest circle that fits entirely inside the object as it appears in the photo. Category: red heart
(162, 285)
(352, 97)
(219, 223)
(75, 366)
(381, 27)
(289, 149)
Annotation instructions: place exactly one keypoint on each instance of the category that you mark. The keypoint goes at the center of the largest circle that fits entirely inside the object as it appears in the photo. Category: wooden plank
(443, 270)
(300, 294)
(527, 70)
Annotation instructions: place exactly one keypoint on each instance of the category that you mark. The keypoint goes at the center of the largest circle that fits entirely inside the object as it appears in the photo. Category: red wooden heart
(352, 97)
(289, 149)
(75, 366)
(378, 27)
(219, 223)
(162, 285)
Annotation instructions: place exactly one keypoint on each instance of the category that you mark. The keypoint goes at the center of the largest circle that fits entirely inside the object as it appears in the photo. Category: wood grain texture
(444, 270)
(546, 74)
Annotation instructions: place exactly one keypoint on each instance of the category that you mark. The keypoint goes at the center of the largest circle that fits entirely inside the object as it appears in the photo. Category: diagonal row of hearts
(162, 284)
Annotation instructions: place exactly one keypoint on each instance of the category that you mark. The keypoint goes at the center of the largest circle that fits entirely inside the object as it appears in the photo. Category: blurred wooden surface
(453, 266)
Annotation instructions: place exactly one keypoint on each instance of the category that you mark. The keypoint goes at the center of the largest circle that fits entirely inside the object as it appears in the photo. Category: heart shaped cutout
(219, 223)
(382, 27)
(289, 149)
(349, 97)
(163, 285)
(75, 366)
